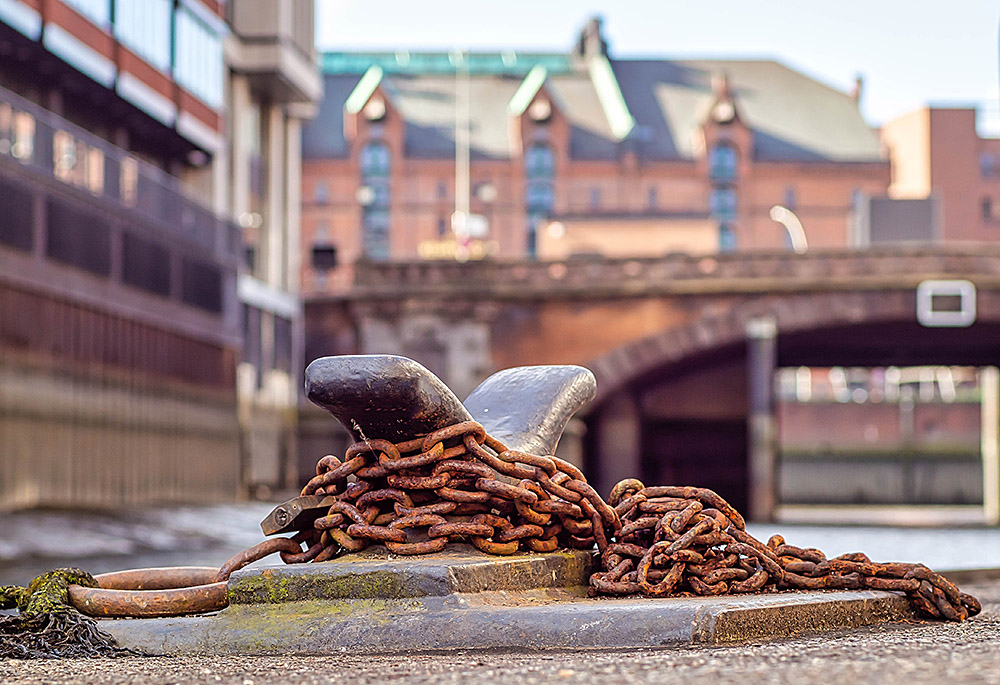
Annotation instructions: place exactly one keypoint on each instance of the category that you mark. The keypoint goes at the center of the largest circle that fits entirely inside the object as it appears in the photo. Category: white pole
(989, 388)
(463, 135)
(796, 233)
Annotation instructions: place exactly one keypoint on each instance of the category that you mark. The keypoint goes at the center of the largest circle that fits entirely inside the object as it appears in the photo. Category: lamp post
(793, 226)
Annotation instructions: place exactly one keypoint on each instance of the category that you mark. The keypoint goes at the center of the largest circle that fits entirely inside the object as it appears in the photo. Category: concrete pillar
(273, 266)
(761, 419)
(619, 441)
(239, 155)
(989, 387)
(293, 212)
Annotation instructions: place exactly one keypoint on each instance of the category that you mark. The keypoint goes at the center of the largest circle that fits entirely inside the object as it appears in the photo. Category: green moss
(269, 588)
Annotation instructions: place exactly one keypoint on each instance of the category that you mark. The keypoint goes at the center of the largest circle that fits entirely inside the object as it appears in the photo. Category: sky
(910, 53)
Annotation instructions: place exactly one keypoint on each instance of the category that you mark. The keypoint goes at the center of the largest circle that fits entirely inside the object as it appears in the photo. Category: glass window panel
(375, 160)
(198, 58)
(144, 26)
(722, 203)
(722, 162)
(540, 197)
(539, 162)
(98, 11)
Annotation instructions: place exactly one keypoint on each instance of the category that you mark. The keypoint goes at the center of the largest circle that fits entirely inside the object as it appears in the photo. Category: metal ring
(150, 592)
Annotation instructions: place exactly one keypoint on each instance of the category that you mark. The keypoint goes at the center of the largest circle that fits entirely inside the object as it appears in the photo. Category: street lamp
(793, 226)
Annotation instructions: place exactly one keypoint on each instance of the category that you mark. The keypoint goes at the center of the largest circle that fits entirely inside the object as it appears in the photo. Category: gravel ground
(925, 652)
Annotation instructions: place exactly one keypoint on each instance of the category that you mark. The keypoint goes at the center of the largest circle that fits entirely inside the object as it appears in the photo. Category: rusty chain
(456, 484)
(685, 539)
(461, 484)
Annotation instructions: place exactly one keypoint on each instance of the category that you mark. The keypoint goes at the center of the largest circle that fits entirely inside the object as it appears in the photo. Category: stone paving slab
(375, 574)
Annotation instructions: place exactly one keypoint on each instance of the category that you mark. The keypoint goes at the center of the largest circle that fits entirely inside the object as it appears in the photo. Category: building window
(321, 193)
(144, 26)
(727, 238)
(442, 191)
(722, 162)
(98, 11)
(987, 208)
(324, 257)
(722, 203)
(539, 162)
(652, 201)
(375, 233)
(595, 198)
(282, 344)
(442, 227)
(790, 198)
(375, 160)
(989, 164)
(375, 166)
(198, 57)
(540, 198)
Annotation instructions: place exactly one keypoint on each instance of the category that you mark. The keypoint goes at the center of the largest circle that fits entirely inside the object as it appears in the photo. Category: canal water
(32, 542)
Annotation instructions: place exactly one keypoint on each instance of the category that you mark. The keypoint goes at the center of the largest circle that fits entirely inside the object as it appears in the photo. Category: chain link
(682, 539)
(456, 484)
(459, 484)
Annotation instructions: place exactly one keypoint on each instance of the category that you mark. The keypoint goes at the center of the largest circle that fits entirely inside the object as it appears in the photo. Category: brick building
(140, 142)
(582, 152)
(938, 156)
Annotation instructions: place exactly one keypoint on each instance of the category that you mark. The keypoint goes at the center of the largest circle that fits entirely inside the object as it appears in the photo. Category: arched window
(375, 160)
(722, 162)
(539, 162)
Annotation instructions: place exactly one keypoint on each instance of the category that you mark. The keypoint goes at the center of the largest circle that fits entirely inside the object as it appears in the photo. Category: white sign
(469, 225)
(933, 315)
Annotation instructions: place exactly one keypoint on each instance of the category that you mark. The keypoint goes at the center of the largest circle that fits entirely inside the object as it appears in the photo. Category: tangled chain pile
(47, 625)
(460, 484)
(676, 539)
(455, 484)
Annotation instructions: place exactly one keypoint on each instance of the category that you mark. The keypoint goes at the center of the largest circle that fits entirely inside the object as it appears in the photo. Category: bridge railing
(584, 273)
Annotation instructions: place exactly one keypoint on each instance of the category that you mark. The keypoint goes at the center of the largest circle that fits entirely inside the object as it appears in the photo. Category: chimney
(591, 42)
(858, 89)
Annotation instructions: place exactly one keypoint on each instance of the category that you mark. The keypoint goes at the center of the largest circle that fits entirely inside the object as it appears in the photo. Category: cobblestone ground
(924, 652)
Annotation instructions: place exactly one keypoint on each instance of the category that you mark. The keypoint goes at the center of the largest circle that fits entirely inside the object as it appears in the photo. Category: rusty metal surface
(690, 540)
(178, 591)
(527, 407)
(457, 484)
(383, 396)
(149, 603)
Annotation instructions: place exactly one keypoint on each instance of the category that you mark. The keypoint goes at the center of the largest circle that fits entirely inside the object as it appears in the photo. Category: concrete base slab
(466, 600)
(503, 621)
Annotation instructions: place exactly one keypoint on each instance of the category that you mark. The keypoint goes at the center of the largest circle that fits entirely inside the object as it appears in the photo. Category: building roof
(657, 106)
(793, 117)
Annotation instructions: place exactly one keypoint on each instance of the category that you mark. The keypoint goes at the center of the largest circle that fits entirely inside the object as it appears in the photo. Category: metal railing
(47, 144)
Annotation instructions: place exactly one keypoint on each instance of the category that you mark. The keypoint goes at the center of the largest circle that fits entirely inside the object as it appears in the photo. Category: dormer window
(722, 161)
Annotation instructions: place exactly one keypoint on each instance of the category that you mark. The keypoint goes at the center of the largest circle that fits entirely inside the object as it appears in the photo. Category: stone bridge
(683, 347)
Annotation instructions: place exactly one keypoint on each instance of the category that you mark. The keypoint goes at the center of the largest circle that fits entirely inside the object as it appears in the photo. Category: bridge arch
(654, 414)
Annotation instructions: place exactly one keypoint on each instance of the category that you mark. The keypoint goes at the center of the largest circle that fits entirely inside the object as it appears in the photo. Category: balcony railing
(47, 144)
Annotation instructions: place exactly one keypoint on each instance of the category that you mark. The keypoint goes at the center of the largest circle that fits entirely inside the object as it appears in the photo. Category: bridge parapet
(883, 267)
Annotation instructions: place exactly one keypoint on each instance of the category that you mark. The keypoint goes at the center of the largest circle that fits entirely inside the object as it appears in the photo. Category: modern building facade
(128, 314)
(511, 155)
(938, 156)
